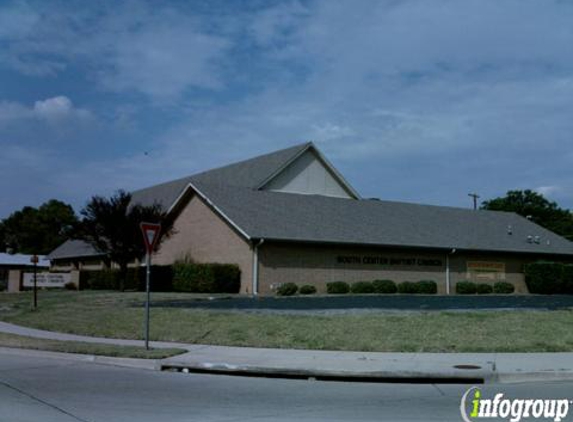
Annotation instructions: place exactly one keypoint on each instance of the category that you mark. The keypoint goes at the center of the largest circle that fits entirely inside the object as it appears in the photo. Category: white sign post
(150, 233)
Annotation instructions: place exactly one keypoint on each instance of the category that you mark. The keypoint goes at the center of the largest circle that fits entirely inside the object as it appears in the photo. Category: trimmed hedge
(110, 279)
(307, 289)
(362, 287)
(337, 287)
(466, 288)
(287, 289)
(503, 287)
(426, 287)
(484, 289)
(420, 287)
(206, 278)
(407, 287)
(384, 286)
(568, 278)
(545, 278)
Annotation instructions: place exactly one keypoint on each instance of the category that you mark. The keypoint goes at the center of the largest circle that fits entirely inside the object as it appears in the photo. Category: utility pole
(475, 197)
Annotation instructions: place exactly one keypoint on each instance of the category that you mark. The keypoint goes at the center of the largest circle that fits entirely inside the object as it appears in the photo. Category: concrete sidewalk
(359, 366)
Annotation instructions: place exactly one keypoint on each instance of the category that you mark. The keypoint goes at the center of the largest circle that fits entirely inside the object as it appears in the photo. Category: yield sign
(150, 235)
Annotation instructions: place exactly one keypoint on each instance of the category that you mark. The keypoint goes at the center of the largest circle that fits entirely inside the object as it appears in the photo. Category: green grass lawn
(120, 315)
(22, 342)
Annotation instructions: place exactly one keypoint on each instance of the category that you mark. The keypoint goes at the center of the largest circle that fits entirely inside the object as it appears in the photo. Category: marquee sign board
(485, 270)
(47, 279)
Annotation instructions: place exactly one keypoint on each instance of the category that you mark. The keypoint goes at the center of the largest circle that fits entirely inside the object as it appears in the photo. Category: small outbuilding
(13, 266)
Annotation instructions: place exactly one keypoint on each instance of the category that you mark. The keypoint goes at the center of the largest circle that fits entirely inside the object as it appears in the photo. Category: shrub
(466, 288)
(70, 286)
(110, 279)
(307, 289)
(484, 289)
(206, 278)
(407, 287)
(544, 277)
(426, 287)
(362, 287)
(337, 287)
(100, 280)
(568, 279)
(384, 286)
(503, 287)
(287, 289)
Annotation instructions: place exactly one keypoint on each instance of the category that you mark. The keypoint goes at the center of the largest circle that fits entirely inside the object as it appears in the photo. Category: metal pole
(475, 197)
(148, 273)
(35, 285)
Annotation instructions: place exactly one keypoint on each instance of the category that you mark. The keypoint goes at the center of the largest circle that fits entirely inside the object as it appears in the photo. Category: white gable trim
(192, 187)
(324, 161)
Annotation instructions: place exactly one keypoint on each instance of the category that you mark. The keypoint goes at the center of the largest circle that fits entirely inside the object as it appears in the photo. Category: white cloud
(162, 60)
(133, 46)
(548, 190)
(59, 108)
(51, 110)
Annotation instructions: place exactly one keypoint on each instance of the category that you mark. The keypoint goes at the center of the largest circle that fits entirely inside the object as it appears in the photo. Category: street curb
(540, 376)
(401, 376)
(486, 376)
(148, 364)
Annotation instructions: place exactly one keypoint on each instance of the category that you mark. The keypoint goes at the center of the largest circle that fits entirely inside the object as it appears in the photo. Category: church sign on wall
(44, 279)
(485, 270)
(387, 261)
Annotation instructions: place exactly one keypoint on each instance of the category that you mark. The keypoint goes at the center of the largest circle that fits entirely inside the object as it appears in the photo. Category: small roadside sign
(150, 235)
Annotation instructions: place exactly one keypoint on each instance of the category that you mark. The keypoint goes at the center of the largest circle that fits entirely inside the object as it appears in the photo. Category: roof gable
(248, 174)
(309, 173)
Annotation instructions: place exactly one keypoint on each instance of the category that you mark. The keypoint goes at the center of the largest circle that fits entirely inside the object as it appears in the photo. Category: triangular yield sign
(150, 233)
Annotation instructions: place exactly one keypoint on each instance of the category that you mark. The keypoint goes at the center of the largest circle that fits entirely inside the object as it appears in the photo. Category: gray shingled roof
(314, 218)
(249, 173)
(73, 249)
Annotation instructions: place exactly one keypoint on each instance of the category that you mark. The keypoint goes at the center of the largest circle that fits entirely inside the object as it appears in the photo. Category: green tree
(111, 226)
(38, 230)
(2, 237)
(542, 211)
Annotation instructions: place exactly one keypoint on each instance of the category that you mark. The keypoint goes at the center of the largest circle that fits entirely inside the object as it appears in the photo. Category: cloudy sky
(413, 100)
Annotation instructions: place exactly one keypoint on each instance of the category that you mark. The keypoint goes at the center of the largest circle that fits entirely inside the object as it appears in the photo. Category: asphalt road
(56, 390)
(382, 302)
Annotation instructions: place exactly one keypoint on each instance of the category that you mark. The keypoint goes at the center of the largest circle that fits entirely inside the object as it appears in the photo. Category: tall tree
(534, 205)
(39, 230)
(2, 237)
(111, 226)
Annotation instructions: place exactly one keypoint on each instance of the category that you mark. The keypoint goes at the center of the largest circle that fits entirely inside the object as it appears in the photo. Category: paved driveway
(382, 302)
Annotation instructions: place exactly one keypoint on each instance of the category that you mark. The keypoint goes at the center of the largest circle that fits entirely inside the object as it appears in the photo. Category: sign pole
(150, 233)
(147, 290)
(34, 260)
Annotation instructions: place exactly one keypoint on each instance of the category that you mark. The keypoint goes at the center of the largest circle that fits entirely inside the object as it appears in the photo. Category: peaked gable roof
(236, 192)
(321, 219)
(254, 173)
(73, 248)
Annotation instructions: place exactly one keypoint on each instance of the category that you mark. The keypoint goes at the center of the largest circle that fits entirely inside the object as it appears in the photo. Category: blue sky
(419, 101)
